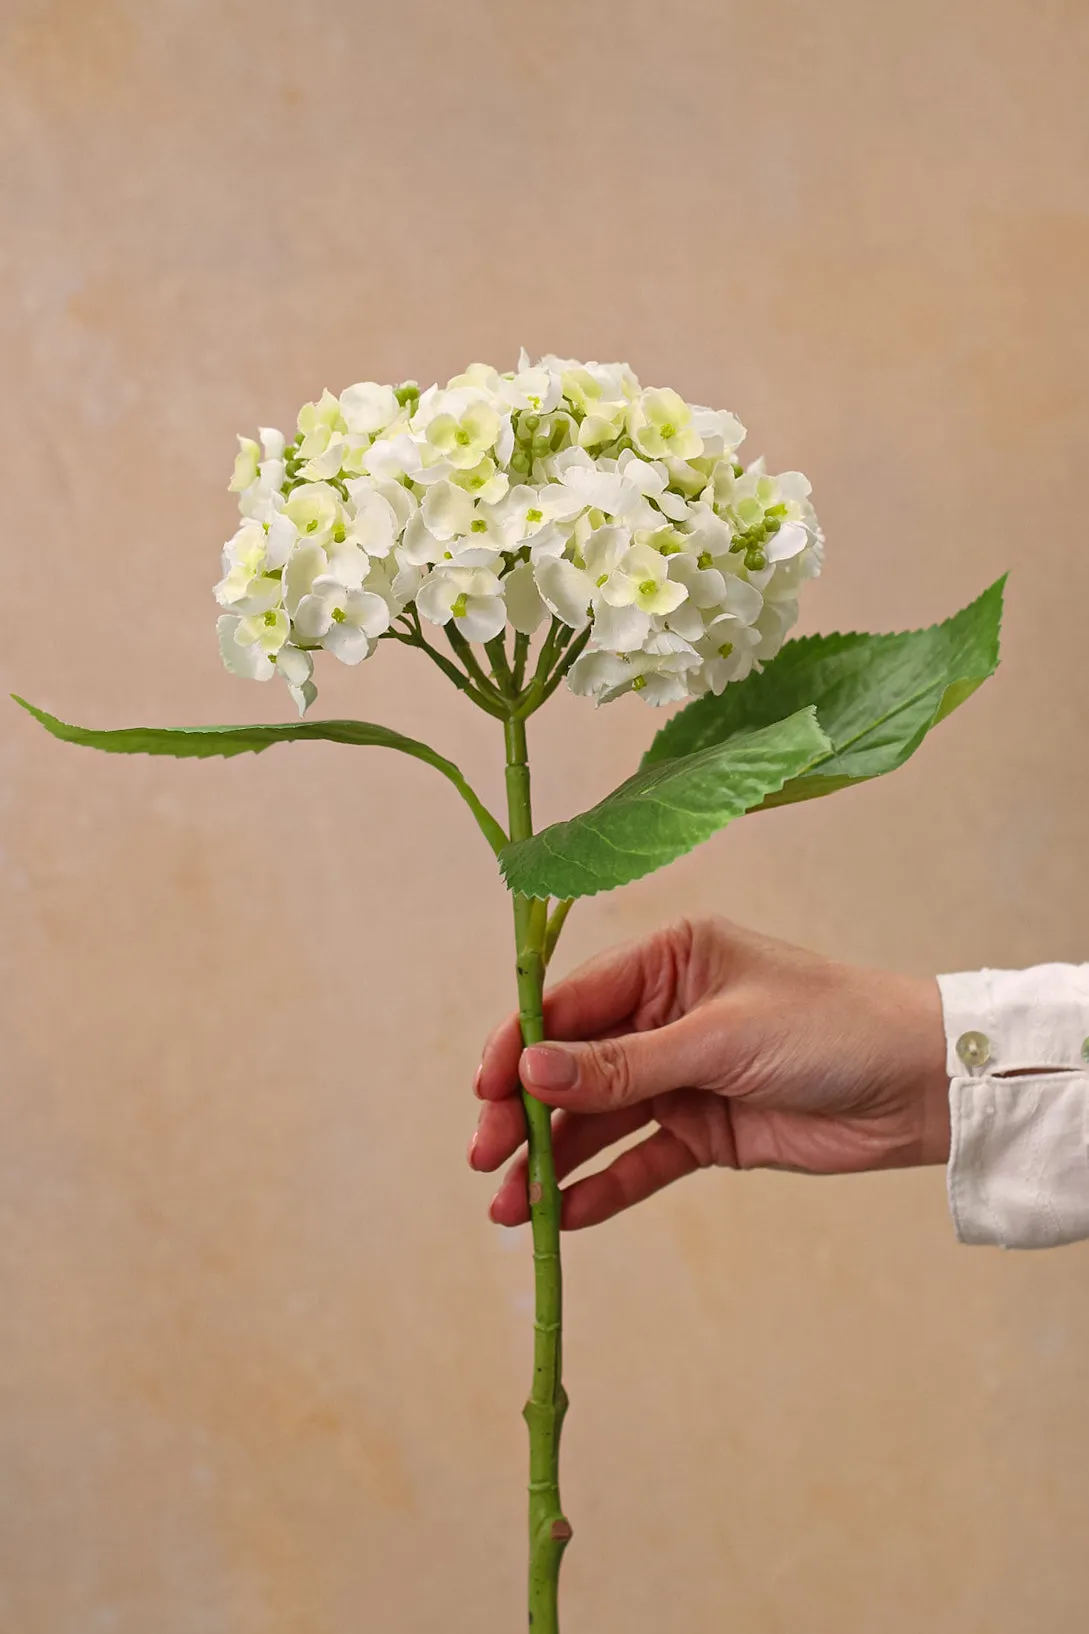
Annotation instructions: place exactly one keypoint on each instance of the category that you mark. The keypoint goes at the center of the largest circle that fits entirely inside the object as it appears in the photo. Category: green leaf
(202, 741)
(662, 812)
(877, 696)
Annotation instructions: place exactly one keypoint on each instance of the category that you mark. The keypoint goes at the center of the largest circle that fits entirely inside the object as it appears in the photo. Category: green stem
(521, 653)
(497, 656)
(460, 680)
(577, 647)
(556, 921)
(468, 657)
(533, 695)
(549, 1529)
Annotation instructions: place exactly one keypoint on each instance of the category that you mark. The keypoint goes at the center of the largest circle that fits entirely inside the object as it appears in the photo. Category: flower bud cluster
(558, 491)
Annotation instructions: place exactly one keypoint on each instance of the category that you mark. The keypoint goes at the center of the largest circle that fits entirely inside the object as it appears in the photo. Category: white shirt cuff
(1017, 1042)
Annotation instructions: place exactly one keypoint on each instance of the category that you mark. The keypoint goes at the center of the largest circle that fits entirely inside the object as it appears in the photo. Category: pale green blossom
(661, 425)
(464, 438)
(345, 622)
(471, 596)
(318, 423)
(557, 493)
(246, 463)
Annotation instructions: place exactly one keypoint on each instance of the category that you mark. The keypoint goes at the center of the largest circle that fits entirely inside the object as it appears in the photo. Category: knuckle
(703, 1124)
(610, 1071)
(666, 963)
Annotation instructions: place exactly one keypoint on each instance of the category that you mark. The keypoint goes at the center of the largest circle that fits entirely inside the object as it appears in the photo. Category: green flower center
(338, 615)
(648, 587)
(639, 683)
(705, 561)
(477, 526)
(270, 618)
(534, 515)
(461, 606)
(726, 649)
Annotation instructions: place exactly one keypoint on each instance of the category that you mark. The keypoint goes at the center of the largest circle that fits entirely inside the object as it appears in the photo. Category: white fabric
(1019, 1159)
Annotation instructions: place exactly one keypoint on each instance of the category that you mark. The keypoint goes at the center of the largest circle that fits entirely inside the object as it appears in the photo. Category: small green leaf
(877, 696)
(662, 812)
(203, 741)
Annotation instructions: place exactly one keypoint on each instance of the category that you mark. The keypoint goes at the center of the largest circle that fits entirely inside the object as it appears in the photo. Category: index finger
(600, 998)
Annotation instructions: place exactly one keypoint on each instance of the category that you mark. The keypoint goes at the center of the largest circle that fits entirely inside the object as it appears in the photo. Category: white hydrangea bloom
(609, 524)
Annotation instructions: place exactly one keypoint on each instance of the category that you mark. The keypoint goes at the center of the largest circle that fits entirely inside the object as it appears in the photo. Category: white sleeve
(1018, 1064)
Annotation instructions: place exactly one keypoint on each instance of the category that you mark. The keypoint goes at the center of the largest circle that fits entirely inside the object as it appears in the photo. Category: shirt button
(974, 1049)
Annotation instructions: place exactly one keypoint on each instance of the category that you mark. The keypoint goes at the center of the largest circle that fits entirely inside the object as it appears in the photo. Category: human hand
(746, 1052)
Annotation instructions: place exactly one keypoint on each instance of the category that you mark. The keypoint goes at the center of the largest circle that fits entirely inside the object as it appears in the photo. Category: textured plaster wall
(262, 1354)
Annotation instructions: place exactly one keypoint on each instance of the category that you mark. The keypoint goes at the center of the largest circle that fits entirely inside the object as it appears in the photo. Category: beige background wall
(262, 1354)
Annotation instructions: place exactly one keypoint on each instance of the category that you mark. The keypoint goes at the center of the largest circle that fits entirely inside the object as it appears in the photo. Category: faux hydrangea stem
(549, 1529)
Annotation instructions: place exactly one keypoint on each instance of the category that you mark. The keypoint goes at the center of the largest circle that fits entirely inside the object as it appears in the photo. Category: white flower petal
(418, 545)
(369, 613)
(272, 442)
(650, 479)
(606, 490)
(294, 666)
(248, 660)
(595, 674)
(393, 457)
(567, 590)
(401, 501)
(472, 551)
(406, 582)
(347, 642)
(790, 540)
(374, 526)
(348, 565)
(548, 541)
(280, 540)
(794, 487)
(435, 598)
(368, 407)
(260, 595)
(304, 565)
(660, 688)
(673, 506)
(525, 609)
(667, 597)
(312, 618)
(620, 629)
(303, 695)
(483, 618)
(742, 599)
(448, 510)
(686, 621)
(706, 586)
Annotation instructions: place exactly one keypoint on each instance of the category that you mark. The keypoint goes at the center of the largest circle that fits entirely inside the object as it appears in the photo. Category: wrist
(926, 1080)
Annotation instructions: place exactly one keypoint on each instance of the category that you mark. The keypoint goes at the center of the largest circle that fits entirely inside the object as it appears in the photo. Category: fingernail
(477, 1080)
(545, 1068)
(472, 1147)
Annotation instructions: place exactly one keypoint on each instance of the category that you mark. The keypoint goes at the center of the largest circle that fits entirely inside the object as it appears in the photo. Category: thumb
(603, 1074)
